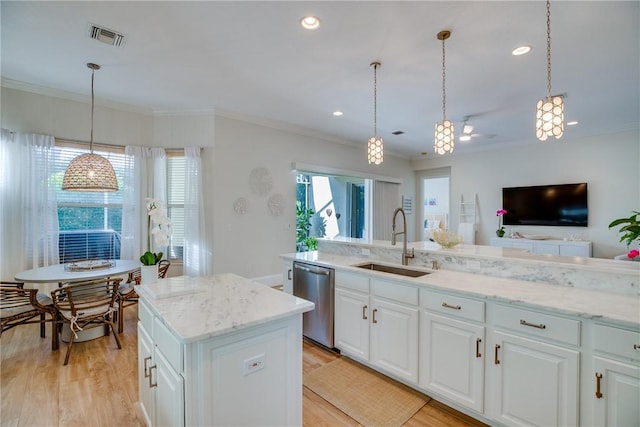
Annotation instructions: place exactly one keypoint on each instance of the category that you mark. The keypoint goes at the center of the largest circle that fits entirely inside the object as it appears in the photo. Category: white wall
(250, 244)
(608, 163)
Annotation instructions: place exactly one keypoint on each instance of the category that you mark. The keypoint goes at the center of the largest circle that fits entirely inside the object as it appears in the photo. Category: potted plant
(159, 229)
(500, 230)
(630, 229)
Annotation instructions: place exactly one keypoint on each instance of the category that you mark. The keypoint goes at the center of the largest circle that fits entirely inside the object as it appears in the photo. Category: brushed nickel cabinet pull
(151, 384)
(533, 325)
(455, 307)
(636, 346)
(478, 341)
(496, 361)
(146, 369)
(598, 392)
(364, 312)
(375, 310)
(289, 274)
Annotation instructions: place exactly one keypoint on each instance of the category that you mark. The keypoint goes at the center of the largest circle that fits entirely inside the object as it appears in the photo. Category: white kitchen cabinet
(377, 323)
(239, 362)
(452, 349)
(614, 389)
(160, 387)
(531, 379)
(546, 246)
(351, 324)
(287, 276)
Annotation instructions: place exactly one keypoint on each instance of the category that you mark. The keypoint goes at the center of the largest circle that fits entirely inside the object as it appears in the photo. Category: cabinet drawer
(452, 305)
(566, 331)
(352, 281)
(396, 292)
(145, 316)
(168, 344)
(616, 341)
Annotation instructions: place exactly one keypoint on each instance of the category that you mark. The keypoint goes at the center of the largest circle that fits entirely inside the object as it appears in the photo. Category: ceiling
(253, 60)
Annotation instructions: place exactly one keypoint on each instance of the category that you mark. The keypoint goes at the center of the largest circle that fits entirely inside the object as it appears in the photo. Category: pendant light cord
(375, 97)
(444, 95)
(549, 47)
(92, 102)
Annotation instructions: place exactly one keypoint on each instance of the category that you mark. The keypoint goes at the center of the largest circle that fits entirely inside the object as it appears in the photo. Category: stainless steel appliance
(316, 284)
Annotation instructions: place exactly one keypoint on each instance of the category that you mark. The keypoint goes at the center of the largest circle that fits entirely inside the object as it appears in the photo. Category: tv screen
(555, 205)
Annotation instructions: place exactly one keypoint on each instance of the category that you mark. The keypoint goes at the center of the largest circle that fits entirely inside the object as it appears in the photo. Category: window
(175, 202)
(90, 223)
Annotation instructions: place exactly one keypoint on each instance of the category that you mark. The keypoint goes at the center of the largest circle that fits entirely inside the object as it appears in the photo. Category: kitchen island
(219, 350)
(506, 336)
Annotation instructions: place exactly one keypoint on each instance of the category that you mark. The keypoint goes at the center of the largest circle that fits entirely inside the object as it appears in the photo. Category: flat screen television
(551, 205)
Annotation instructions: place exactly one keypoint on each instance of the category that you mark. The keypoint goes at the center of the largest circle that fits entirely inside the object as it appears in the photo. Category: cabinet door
(618, 404)
(287, 277)
(351, 326)
(452, 359)
(146, 394)
(394, 339)
(534, 383)
(169, 393)
(546, 248)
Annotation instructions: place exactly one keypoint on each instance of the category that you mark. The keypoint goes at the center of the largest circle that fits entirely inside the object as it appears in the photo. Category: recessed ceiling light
(338, 113)
(310, 22)
(573, 123)
(521, 50)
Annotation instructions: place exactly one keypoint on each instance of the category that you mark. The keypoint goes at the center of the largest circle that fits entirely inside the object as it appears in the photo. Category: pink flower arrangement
(500, 230)
(633, 253)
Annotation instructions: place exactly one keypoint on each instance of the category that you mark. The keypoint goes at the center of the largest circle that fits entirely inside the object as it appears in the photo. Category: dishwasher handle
(320, 270)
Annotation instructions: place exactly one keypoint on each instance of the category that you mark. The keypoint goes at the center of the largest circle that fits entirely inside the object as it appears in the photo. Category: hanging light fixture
(549, 111)
(90, 172)
(375, 146)
(444, 139)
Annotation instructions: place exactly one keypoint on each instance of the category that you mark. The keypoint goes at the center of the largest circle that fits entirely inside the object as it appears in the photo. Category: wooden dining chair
(85, 305)
(127, 295)
(19, 306)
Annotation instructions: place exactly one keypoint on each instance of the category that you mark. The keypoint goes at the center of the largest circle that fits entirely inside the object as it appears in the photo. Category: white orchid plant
(159, 226)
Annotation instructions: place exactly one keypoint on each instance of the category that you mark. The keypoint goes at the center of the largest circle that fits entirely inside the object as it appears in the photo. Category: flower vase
(148, 273)
(500, 232)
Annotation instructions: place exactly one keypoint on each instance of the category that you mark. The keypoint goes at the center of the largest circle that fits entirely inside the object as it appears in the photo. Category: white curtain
(145, 175)
(196, 254)
(386, 198)
(28, 211)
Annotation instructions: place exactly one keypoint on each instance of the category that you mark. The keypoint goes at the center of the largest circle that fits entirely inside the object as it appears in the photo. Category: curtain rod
(105, 145)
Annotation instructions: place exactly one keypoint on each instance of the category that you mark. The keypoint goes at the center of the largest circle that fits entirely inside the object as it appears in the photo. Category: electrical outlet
(254, 364)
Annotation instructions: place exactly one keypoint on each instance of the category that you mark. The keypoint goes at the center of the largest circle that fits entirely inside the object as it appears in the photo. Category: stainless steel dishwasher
(316, 284)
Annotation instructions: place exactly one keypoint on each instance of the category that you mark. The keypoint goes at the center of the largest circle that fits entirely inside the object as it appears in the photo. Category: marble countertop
(613, 308)
(197, 308)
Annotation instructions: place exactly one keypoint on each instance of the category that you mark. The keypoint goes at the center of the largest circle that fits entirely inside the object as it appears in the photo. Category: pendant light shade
(375, 145)
(443, 138)
(549, 111)
(89, 171)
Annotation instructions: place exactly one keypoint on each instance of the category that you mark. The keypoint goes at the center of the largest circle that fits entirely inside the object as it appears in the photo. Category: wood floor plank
(99, 387)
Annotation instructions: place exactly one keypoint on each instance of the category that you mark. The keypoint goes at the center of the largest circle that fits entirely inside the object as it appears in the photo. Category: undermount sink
(391, 269)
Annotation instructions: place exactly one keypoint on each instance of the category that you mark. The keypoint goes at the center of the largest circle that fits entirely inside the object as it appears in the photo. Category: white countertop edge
(609, 307)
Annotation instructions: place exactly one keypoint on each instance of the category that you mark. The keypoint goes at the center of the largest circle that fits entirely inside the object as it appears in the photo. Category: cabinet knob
(636, 346)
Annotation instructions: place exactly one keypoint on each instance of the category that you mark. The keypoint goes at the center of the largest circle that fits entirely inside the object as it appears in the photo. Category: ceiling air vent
(105, 35)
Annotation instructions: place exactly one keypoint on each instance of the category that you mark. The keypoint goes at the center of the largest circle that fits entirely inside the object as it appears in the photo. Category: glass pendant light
(549, 111)
(375, 146)
(444, 139)
(89, 171)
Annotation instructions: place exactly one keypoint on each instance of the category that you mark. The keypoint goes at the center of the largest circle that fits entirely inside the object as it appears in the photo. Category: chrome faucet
(405, 254)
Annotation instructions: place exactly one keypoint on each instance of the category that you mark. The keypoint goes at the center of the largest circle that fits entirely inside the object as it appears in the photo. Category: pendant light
(549, 111)
(444, 139)
(375, 146)
(90, 172)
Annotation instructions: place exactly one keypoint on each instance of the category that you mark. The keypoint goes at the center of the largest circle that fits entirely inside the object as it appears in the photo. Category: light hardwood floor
(99, 386)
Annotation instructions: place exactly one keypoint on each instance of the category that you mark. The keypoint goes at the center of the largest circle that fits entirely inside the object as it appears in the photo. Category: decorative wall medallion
(276, 204)
(260, 181)
(240, 206)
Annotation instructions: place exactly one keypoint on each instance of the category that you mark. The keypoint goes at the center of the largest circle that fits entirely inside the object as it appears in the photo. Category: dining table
(76, 272)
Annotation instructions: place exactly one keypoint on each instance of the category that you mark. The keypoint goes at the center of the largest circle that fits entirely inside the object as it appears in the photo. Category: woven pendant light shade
(90, 172)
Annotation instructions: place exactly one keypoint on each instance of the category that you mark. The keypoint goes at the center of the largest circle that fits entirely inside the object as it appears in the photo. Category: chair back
(163, 267)
(15, 300)
(91, 297)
